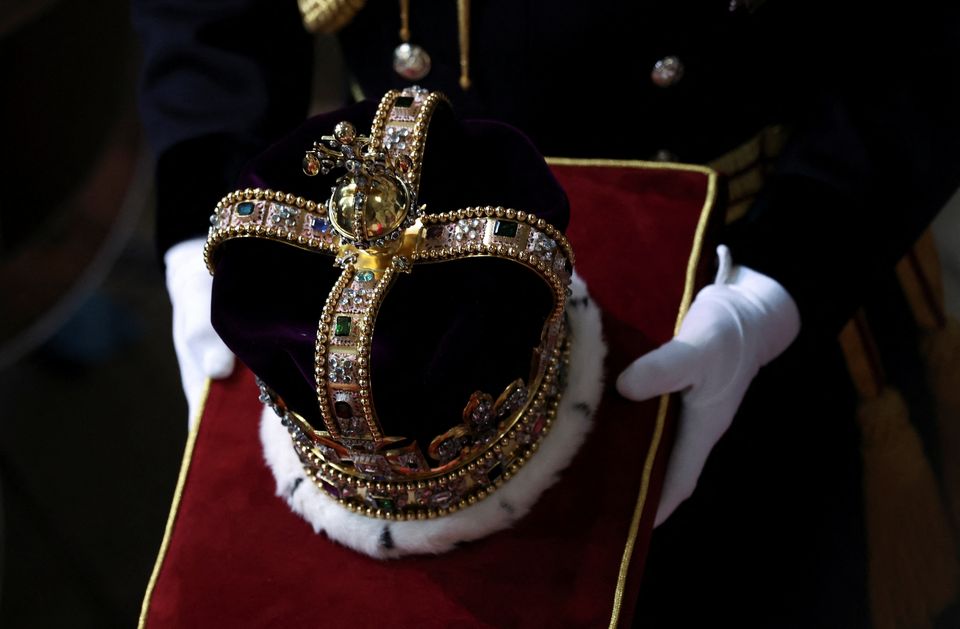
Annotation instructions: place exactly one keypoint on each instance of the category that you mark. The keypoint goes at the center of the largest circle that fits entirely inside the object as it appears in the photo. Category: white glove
(734, 326)
(200, 351)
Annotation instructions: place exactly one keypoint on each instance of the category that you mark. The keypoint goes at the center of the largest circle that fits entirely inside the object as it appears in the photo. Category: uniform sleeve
(220, 79)
(873, 160)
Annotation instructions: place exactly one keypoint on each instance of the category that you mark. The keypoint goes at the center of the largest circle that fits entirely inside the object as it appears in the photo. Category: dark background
(92, 417)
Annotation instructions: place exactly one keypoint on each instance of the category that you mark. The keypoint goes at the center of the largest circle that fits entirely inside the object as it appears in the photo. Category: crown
(375, 231)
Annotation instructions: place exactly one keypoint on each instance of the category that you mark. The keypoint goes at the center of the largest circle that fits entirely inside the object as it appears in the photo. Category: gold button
(667, 71)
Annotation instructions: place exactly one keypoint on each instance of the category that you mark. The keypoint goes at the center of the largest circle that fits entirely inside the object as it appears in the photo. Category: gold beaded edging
(365, 350)
(352, 387)
(460, 487)
(323, 334)
(415, 119)
(271, 215)
(380, 117)
(536, 244)
(282, 217)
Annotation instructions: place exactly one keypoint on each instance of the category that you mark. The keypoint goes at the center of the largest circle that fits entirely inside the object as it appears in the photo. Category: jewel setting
(372, 203)
(375, 200)
(394, 481)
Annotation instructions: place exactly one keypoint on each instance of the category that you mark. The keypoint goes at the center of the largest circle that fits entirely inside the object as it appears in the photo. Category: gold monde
(372, 203)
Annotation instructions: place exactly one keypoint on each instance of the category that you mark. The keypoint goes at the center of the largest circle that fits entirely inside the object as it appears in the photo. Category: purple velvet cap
(445, 330)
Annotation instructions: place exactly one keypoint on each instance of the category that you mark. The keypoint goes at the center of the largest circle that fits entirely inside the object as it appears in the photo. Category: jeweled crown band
(364, 482)
(400, 126)
(497, 231)
(375, 230)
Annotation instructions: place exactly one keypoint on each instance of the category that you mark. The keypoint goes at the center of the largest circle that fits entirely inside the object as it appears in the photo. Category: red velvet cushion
(234, 555)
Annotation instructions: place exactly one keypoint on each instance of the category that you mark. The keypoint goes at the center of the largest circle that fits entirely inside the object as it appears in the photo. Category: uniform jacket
(869, 98)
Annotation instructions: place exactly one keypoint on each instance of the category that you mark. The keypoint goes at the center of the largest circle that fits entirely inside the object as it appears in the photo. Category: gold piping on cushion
(693, 263)
(174, 507)
(662, 409)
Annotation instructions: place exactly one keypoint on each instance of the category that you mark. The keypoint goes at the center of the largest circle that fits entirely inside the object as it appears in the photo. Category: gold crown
(375, 231)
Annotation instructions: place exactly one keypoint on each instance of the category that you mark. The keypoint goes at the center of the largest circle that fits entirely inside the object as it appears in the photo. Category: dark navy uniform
(868, 102)
(871, 110)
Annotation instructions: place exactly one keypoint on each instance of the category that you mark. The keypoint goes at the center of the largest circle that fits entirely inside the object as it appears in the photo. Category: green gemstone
(505, 229)
(245, 209)
(343, 326)
(387, 504)
(365, 276)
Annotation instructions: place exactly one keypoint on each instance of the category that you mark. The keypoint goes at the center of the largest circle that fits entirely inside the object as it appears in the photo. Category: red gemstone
(311, 165)
(538, 426)
(404, 163)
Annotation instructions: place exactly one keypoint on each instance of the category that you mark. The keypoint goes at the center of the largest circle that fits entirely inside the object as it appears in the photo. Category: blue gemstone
(365, 276)
(384, 502)
(320, 225)
(245, 208)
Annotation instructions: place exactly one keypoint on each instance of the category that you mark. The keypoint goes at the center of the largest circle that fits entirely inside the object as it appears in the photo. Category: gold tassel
(922, 282)
(942, 351)
(912, 559)
(913, 572)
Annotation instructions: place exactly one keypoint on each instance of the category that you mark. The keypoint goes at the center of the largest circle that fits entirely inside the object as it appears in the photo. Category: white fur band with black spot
(385, 539)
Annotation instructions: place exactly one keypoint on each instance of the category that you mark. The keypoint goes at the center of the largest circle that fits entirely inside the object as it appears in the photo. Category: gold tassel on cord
(912, 565)
(912, 562)
(941, 348)
(922, 283)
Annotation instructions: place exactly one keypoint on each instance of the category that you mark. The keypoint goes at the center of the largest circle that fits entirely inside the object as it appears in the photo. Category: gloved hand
(200, 352)
(734, 326)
